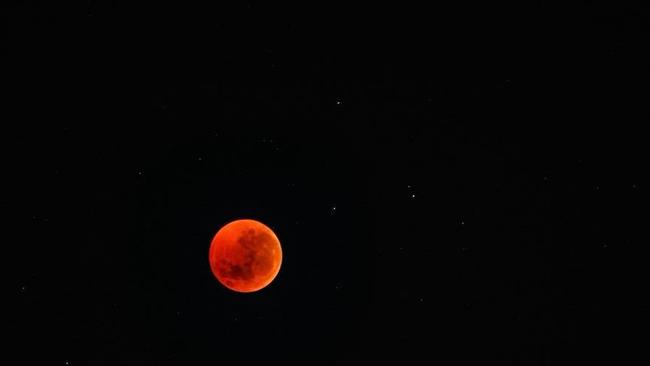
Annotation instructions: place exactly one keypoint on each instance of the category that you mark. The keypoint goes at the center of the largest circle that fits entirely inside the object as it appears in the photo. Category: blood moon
(245, 255)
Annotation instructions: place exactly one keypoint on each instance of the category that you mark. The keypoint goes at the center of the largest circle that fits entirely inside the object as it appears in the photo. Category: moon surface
(245, 255)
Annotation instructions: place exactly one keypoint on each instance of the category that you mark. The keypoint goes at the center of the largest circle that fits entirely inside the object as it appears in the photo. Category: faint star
(633, 186)
(200, 158)
(413, 196)
(462, 222)
(545, 178)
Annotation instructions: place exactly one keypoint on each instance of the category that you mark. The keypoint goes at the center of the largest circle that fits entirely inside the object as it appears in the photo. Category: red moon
(245, 255)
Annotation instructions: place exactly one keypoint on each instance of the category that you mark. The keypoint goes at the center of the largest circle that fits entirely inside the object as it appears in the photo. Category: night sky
(451, 185)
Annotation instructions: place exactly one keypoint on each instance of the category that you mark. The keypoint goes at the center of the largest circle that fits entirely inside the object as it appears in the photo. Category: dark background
(452, 184)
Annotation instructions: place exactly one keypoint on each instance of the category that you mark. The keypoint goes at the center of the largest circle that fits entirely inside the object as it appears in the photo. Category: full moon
(245, 255)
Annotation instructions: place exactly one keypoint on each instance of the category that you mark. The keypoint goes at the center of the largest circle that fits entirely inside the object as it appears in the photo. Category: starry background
(453, 184)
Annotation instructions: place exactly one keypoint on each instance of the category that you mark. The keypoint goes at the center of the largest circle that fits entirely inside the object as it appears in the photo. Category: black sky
(451, 185)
